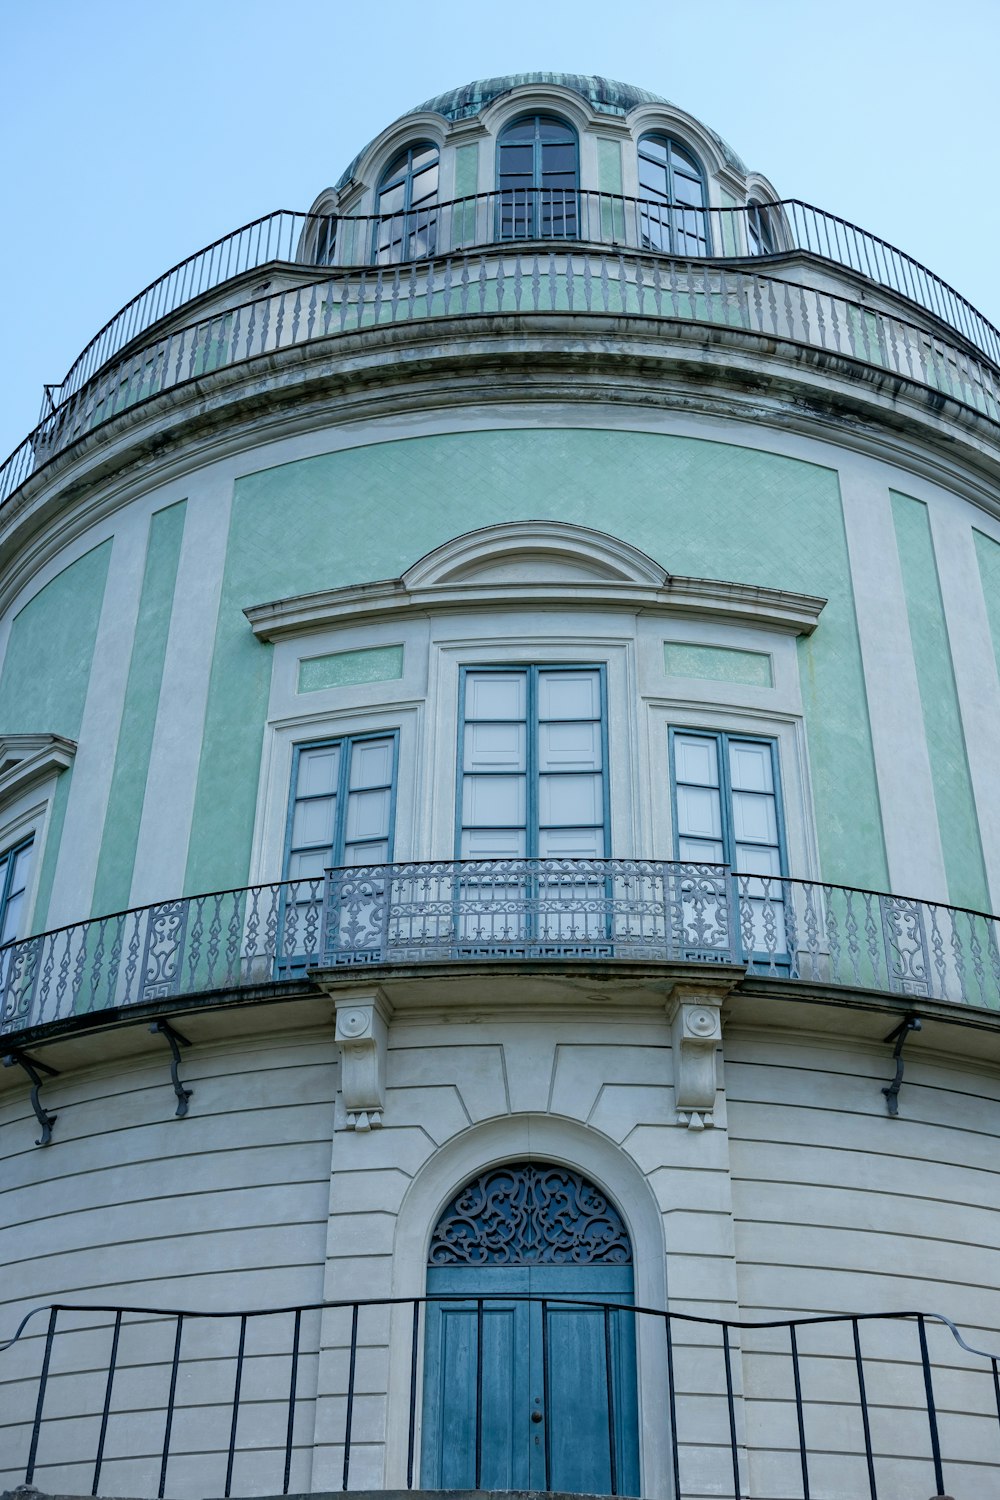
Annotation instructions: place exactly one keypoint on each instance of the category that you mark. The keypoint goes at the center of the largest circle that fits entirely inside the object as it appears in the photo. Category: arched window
(406, 206)
(325, 243)
(538, 180)
(672, 189)
(762, 237)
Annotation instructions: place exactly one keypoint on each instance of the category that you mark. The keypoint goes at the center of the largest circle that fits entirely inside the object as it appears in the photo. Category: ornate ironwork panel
(527, 1214)
(907, 962)
(164, 950)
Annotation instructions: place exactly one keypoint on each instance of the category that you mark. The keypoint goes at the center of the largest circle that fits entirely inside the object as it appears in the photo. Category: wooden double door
(526, 1387)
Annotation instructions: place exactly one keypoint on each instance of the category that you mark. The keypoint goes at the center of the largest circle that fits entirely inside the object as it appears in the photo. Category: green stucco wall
(142, 697)
(46, 672)
(953, 793)
(702, 508)
(988, 555)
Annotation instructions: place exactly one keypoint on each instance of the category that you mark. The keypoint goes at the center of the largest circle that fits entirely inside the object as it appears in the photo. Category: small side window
(15, 868)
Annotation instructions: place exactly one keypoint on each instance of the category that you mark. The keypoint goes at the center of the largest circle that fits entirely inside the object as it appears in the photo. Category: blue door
(529, 1375)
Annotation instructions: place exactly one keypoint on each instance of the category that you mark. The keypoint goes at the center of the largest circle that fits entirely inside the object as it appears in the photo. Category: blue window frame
(673, 213)
(532, 763)
(406, 206)
(538, 180)
(15, 868)
(726, 797)
(341, 813)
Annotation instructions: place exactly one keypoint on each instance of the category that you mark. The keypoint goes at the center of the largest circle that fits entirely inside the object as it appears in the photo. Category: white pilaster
(902, 762)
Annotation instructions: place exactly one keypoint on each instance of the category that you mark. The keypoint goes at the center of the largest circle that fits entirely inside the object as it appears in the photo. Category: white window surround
(533, 593)
(30, 765)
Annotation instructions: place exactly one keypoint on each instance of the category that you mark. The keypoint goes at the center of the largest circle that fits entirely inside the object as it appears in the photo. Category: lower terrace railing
(381, 1394)
(511, 280)
(496, 911)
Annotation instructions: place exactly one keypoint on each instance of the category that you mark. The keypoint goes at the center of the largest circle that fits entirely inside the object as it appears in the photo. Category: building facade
(498, 828)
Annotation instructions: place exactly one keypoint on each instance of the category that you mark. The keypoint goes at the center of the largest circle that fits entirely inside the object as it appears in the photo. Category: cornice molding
(505, 568)
(26, 760)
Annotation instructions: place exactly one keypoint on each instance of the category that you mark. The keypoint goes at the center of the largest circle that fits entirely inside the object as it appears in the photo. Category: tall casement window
(672, 188)
(15, 866)
(727, 810)
(406, 206)
(538, 180)
(532, 760)
(340, 814)
(762, 238)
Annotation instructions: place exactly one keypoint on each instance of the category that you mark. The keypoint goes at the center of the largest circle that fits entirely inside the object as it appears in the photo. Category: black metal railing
(518, 280)
(800, 931)
(148, 1400)
(462, 224)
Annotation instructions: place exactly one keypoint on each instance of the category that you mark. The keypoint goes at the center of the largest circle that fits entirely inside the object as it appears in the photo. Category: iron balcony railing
(799, 931)
(463, 224)
(144, 1401)
(521, 281)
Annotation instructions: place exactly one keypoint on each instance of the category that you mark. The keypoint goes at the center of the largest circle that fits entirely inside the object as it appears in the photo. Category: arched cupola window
(672, 187)
(538, 179)
(762, 234)
(406, 206)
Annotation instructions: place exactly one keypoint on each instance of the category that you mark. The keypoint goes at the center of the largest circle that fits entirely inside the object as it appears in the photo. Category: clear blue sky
(134, 131)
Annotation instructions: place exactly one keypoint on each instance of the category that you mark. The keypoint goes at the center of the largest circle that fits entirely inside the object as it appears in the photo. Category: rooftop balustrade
(522, 280)
(150, 1400)
(804, 933)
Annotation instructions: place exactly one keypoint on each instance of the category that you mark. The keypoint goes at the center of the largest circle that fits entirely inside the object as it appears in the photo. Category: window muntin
(537, 180)
(406, 206)
(672, 189)
(532, 758)
(15, 869)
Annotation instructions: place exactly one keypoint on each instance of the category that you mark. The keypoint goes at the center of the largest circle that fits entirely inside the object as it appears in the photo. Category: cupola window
(406, 206)
(672, 189)
(761, 236)
(538, 180)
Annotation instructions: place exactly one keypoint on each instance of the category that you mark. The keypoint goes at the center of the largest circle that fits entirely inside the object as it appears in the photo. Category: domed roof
(605, 95)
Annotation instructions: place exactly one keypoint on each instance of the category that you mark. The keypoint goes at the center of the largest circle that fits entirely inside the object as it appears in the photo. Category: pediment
(27, 759)
(535, 552)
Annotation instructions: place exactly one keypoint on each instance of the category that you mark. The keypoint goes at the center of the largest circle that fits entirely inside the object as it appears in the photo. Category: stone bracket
(694, 1011)
(362, 1034)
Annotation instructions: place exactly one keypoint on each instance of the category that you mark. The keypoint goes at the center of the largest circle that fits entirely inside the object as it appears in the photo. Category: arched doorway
(526, 1387)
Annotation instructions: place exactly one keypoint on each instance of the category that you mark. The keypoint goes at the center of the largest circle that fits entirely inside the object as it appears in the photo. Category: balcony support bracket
(175, 1042)
(362, 1034)
(33, 1068)
(694, 1011)
(902, 1031)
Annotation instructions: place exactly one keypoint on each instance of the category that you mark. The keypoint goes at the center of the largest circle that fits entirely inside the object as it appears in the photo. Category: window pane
(19, 874)
(11, 917)
(366, 854)
(654, 146)
(699, 813)
(550, 130)
(367, 815)
(371, 764)
(493, 843)
(700, 851)
(423, 156)
(571, 843)
(568, 746)
(318, 771)
(493, 801)
(308, 866)
(495, 747)
(523, 130)
(758, 859)
(392, 199)
(517, 160)
(424, 185)
(696, 759)
(754, 818)
(495, 695)
(569, 800)
(750, 767)
(313, 822)
(569, 695)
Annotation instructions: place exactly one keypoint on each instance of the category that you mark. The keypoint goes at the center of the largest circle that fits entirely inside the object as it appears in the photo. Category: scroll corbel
(695, 1034)
(362, 1034)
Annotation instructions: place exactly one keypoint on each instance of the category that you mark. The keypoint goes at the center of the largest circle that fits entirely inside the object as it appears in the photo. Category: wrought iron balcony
(523, 281)
(466, 912)
(141, 1400)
